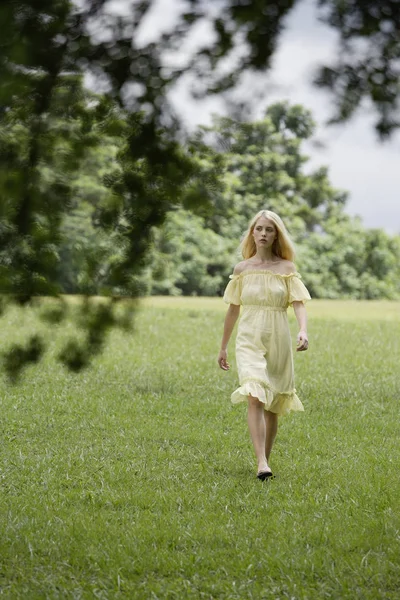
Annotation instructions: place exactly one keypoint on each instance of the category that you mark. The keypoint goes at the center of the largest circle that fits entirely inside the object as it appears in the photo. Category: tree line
(248, 166)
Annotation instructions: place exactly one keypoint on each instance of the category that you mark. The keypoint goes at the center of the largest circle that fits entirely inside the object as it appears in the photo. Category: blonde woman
(265, 283)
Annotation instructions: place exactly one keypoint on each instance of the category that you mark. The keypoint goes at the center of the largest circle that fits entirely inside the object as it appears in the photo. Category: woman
(265, 284)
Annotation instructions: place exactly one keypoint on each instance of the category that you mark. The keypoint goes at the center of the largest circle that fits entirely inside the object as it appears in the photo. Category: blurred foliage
(367, 65)
(54, 133)
(20, 356)
(51, 128)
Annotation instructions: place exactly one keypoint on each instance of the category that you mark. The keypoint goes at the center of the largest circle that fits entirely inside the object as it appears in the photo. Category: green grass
(136, 478)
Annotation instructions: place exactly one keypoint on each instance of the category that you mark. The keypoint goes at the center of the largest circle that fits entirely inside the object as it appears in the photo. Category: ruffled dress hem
(280, 403)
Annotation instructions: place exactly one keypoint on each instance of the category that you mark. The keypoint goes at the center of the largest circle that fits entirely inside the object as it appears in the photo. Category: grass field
(136, 479)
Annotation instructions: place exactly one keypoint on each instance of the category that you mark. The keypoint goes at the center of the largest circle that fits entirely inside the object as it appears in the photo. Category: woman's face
(264, 233)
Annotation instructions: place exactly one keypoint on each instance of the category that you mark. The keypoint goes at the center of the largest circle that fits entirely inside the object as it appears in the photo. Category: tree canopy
(264, 166)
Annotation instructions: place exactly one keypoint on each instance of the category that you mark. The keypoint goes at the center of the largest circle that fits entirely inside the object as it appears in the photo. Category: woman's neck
(265, 255)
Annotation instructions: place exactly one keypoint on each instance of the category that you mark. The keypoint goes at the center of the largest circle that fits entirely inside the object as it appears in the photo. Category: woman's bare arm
(229, 323)
(301, 316)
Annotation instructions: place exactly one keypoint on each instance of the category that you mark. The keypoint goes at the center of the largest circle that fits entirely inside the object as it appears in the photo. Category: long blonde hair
(282, 246)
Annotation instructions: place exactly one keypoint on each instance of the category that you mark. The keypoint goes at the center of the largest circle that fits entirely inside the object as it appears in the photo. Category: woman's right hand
(222, 360)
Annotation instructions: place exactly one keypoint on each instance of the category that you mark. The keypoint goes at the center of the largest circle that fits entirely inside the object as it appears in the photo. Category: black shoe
(263, 475)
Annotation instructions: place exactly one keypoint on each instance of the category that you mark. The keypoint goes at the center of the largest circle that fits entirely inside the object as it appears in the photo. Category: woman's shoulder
(240, 267)
(287, 266)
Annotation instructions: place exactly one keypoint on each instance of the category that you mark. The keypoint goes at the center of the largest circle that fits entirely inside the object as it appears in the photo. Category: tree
(264, 168)
(187, 258)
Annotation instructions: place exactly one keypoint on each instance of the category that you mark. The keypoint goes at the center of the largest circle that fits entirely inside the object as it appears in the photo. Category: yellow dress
(264, 354)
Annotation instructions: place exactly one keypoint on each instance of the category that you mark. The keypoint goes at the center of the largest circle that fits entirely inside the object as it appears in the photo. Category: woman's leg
(271, 428)
(257, 428)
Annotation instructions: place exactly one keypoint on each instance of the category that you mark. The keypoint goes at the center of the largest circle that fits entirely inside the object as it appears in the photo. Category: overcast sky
(368, 169)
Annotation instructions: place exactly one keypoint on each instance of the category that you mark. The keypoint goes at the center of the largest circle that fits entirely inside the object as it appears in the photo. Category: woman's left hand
(302, 341)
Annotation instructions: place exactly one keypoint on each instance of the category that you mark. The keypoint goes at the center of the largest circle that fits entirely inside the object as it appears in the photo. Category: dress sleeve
(233, 290)
(297, 290)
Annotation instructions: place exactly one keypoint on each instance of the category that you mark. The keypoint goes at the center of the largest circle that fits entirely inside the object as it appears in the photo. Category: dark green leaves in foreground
(20, 356)
(92, 318)
(50, 125)
(368, 64)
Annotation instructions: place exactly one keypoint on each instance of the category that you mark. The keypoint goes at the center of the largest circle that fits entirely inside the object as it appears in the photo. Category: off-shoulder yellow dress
(264, 354)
